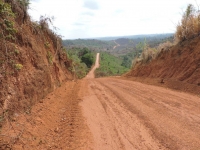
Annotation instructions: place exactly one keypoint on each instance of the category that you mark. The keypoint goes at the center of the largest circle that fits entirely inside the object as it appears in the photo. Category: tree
(88, 59)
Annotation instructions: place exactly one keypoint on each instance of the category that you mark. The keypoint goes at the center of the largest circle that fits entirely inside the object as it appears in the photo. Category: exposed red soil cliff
(178, 67)
(32, 62)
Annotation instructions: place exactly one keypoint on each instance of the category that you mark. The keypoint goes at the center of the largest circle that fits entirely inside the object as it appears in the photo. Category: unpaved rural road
(114, 114)
(116, 45)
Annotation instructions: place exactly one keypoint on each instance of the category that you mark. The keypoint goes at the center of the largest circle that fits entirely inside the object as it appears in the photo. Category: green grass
(110, 66)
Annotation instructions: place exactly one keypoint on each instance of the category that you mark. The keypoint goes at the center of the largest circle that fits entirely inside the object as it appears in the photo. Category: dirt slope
(32, 61)
(108, 114)
(179, 64)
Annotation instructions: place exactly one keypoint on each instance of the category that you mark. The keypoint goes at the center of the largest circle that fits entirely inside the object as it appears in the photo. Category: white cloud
(91, 4)
(96, 18)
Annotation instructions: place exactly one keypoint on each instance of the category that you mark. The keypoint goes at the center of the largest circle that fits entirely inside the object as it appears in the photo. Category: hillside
(90, 43)
(32, 60)
(142, 36)
(177, 67)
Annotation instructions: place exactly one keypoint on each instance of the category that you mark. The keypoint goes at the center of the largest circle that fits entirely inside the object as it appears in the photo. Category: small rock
(56, 130)
(162, 81)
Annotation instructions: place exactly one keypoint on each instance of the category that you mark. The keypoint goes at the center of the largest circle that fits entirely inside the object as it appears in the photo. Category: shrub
(149, 53)
(189, 26)
(47, 45)
(50, 57)
(88, 59)
(7, 29)
(18, 66)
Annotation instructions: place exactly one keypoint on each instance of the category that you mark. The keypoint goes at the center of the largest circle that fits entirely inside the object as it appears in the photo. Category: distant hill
(90, 43)
(124, 47)
(160, 36)
(121, 43)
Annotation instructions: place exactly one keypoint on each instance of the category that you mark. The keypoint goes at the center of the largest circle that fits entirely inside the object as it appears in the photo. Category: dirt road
(129, 115)
(112, 114)
(116, 45)
(96, 65)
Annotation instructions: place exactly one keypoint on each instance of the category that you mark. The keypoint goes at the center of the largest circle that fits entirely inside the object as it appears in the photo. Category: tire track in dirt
(56, 123)
(139, 116)
(125, 131)
(72, 129)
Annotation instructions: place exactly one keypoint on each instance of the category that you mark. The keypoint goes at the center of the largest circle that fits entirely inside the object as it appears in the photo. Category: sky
(101, 18)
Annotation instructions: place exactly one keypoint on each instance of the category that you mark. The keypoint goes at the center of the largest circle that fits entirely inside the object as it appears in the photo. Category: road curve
(116, 45)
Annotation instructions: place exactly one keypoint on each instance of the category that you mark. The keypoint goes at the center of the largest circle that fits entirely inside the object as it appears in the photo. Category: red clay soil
(130, 115)
(38, 51)
(56, 123)
(177, 67)
(107, 114)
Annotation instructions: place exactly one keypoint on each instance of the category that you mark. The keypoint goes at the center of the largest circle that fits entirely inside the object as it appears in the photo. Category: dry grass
(149, 53)
(189, 27)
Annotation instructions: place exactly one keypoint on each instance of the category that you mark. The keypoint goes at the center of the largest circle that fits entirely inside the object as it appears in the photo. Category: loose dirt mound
(179, 64)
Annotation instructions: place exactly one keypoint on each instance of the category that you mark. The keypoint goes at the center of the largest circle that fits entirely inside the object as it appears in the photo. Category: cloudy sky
(101, 18)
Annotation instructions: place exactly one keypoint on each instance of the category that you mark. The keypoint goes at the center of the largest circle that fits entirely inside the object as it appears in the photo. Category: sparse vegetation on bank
(189, 27)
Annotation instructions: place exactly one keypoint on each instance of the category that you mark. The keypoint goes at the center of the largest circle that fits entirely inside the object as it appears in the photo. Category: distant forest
(159, 36)
(90, 43)
(125, 49)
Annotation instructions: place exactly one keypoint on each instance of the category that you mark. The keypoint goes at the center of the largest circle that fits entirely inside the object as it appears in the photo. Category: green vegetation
(189, 26)
(117, 56)
(92, 44)
(135, 37)
(47, 45)
(18, 66)
(7, 30)
(50, 57)
(82, 61)
(24, 3)
(110, 66)
(128, 58)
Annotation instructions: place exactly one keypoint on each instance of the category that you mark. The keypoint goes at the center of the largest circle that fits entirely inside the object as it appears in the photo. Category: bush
(82, 59)
(18, 66)
(149, 53)
(88, 59)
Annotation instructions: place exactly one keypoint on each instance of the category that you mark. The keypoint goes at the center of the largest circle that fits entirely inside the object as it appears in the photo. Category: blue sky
(101, 18)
